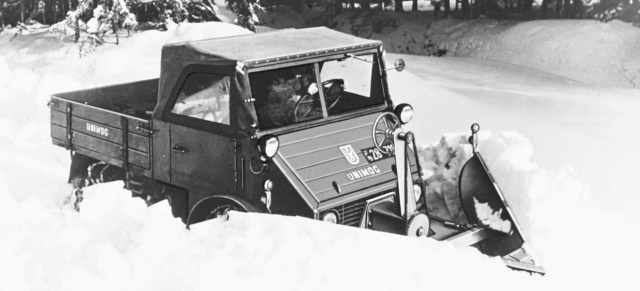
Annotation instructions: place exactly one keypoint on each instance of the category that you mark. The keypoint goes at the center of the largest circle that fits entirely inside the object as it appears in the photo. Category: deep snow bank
(587, 51)
(590, 52)
(118, 243)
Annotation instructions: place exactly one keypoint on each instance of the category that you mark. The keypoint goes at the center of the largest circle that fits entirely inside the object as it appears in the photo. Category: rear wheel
(86, 171)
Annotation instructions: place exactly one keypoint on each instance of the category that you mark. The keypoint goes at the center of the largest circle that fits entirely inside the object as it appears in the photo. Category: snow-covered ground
(564, 152)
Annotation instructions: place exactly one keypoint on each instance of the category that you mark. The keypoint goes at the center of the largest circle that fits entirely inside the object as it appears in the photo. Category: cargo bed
(109, 123)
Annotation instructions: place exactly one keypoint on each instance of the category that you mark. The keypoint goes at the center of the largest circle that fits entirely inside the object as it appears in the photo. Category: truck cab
(236, 124)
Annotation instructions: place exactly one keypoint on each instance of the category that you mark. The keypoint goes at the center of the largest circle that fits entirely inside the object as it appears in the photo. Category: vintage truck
(292, 122)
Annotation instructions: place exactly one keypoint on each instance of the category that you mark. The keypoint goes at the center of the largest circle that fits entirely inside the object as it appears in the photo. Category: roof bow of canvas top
(256, 49)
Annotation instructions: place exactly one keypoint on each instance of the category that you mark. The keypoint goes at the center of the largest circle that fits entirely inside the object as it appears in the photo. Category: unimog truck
(292, 122)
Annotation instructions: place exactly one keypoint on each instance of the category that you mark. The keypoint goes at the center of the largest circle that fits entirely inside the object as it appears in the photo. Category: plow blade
(486, 208)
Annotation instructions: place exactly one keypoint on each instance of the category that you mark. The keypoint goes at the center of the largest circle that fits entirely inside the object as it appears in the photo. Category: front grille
(351, 213)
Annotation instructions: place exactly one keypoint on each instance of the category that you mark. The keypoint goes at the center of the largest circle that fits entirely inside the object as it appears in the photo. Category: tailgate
(119, 139)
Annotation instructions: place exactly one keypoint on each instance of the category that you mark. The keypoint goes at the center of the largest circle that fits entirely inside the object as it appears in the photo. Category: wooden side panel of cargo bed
(100, 134)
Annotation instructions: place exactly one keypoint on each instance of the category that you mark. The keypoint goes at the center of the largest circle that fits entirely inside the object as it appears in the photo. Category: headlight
(268, 145)
(268, 185)
(417, 191)
(404, 111)
(331, 217)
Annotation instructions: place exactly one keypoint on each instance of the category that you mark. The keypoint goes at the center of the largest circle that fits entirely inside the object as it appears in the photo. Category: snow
(563, 152)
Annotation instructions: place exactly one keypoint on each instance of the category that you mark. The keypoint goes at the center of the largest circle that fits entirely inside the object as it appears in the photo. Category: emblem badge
(350, 154)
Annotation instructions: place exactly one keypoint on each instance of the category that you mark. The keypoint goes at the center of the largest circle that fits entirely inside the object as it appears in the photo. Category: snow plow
(491, 225)
(302, 124)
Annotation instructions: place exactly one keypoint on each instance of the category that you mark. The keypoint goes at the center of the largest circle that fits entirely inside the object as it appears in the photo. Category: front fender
(201, 210)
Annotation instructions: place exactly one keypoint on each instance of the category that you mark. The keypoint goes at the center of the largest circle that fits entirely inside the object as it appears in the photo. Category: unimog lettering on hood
(361, 173)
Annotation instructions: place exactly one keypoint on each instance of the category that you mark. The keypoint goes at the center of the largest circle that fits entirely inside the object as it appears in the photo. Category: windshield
(290, 95)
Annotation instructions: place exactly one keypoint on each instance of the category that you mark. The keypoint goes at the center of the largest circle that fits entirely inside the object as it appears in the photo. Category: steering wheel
(383, 129)
(304, 106)
(332, 89)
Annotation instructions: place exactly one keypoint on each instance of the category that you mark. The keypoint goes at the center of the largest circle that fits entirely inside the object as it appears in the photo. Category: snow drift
(562, 153)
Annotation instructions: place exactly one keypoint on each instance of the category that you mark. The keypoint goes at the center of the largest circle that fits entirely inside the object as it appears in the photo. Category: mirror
(399, 65)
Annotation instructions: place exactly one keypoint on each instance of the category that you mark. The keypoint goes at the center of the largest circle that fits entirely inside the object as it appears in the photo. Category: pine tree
(399, 7)
(245, 12)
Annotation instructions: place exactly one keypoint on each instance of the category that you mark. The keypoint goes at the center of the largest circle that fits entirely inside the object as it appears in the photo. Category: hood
(326, 158)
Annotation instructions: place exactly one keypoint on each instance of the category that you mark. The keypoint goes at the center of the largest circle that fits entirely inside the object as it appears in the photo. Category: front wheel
(222, 211)
(217, 207)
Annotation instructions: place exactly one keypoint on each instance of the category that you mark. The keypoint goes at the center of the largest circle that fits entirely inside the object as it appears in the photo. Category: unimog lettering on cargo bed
(293, 122)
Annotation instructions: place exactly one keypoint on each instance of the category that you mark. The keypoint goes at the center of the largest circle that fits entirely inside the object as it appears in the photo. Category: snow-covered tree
(245, 12)
(607, 10)
(108, 16)
(202, 11)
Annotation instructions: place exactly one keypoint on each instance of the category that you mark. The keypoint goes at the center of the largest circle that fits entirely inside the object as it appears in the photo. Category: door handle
(179, 149)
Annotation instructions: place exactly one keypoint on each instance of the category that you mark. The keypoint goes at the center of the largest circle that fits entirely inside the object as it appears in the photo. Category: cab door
(201, 160)
(202, 154)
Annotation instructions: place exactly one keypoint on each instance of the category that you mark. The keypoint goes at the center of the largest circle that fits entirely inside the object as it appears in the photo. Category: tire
(217, 207)
(86, 171)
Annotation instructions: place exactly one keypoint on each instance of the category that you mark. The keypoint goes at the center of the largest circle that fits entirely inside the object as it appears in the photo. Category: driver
(286, 89)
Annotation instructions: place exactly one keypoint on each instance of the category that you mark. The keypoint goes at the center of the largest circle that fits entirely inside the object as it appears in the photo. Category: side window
(286, 95)
(204, 96)
(351, 83)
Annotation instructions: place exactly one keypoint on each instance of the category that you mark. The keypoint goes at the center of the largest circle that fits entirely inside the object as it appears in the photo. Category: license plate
(373, 154)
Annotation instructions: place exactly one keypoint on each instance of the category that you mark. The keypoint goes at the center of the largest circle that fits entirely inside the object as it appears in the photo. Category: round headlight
(268, 145)
(417, 191)
(268, 185)
(404, 111)
(331, 217)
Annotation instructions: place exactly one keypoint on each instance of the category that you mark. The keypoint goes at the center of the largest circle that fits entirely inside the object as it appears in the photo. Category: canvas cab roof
(261, 48)
(237, 55)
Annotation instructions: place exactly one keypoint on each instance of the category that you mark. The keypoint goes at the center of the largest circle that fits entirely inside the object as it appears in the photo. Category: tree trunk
(365, 4)
(1, 16)
(545, 4)
(77, 36)
(436, 9)
(115, 30)
(399, 6)
(578, 8)
(566, 8)
(558, 8)
(492, 6)
(414, 6)
(55, 11)
(337, 7)
(298, 6)
(527, 6)
(22, 11)
(447, 8)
